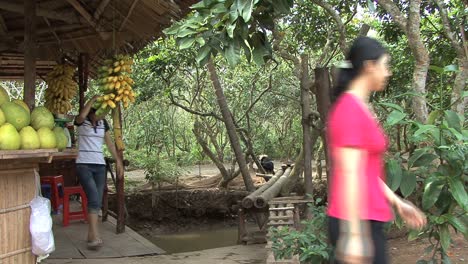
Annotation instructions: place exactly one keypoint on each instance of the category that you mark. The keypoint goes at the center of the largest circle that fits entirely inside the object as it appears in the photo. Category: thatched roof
(64, 28)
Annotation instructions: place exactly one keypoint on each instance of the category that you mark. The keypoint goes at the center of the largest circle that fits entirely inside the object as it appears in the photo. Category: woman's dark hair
(363, 49)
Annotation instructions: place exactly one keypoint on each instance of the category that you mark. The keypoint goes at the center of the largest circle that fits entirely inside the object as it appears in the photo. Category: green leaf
(394, 106)
(219, 8)
(422, 261)
(413, 234)
(458, 224)
(394, 174)
(172, 30)
(186, 43)
(415, 156)
(257, 55)
(433, 117)
(431, 193)
(408, 183)
(425, 160)
(232, 53)
(185, 32)
(247, 11)
(203, 53)
(423, 129)
(458, 191)
(395, 117)
(444, 237)
(436, 69)
(230, 30)
(453, 120)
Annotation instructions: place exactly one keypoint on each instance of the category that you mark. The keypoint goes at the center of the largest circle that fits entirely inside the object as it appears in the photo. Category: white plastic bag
(40, 226)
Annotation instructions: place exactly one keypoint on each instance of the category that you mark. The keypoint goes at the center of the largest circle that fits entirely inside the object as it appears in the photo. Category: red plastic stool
(54, 182)
(76, 215)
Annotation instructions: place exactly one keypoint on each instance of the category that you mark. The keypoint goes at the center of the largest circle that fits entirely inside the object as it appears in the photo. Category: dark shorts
(378, 239)
(93, 178)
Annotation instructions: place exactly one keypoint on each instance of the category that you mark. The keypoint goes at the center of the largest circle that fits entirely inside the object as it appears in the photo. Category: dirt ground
(196, 178)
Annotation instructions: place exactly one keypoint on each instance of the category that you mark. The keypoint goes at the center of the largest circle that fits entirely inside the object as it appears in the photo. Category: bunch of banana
(115, 83)
(61, 88)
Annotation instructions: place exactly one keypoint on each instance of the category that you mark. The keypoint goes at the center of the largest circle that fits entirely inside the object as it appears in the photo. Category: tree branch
(257, 99)
(193, 111)
(395, 13)
(448, 32)
(341, 27)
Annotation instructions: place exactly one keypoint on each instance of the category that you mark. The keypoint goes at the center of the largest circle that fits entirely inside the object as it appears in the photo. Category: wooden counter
(62, 163)
(18, 169)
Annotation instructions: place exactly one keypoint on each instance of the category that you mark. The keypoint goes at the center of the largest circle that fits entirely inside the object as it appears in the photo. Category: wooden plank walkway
(70, 242)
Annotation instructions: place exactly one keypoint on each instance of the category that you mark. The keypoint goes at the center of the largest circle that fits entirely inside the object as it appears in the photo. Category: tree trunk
(322, 95)
(208, 152)
(421, 56)
(412, 28)
(230, 127)
(305, 83)
(458, 102)
(295, 174)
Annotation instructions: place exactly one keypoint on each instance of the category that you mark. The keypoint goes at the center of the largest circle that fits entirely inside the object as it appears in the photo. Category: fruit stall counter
(18, 171)
(63, 163)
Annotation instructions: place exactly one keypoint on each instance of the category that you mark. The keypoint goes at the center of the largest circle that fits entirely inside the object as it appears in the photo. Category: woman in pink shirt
(359, 200)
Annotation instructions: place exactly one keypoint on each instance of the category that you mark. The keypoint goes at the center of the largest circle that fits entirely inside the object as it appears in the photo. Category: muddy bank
(179, 205)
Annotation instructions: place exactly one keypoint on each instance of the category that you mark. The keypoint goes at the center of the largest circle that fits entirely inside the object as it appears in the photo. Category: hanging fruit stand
(49, 40)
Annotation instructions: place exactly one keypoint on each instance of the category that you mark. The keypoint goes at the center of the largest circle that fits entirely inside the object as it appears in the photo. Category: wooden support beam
(85, 14)
(41, 12)
(128, 14)
(29, 52)
(100, 9)
(3, 27)
(83, 62)
(52, 30)
(47, 30)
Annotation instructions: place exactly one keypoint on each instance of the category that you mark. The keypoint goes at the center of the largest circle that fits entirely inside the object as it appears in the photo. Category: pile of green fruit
(22, 129)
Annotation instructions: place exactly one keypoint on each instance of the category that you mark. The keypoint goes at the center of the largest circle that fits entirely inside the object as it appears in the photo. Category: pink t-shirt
(350, 124)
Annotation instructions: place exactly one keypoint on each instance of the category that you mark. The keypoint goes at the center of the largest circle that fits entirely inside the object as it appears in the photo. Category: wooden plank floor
(70, 241)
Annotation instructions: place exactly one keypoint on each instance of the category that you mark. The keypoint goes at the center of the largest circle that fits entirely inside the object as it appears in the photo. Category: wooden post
(307, 146)
(29, 52)
(117, 122)
(83, 72)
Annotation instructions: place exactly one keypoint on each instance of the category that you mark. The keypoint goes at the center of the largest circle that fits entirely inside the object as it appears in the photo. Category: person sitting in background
(267, 164)
(92, 132)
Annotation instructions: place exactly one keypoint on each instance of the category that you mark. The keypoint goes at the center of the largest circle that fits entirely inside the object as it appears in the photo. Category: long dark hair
(363, 49)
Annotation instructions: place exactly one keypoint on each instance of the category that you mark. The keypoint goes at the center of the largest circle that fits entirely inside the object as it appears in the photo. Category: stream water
(196, 240)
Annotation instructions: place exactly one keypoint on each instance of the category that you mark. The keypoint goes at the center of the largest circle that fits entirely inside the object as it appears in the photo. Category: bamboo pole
(29, 52)
(119, 145)
(261, 201)
(248, 201)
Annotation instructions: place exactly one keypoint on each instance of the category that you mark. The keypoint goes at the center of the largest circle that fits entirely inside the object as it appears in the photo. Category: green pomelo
(4, 97)
(42, 117)
(29, 138)
(47, 138)
(2, 118)
(62, 139)
(9, 137)
(16, 115)
(22, 104)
